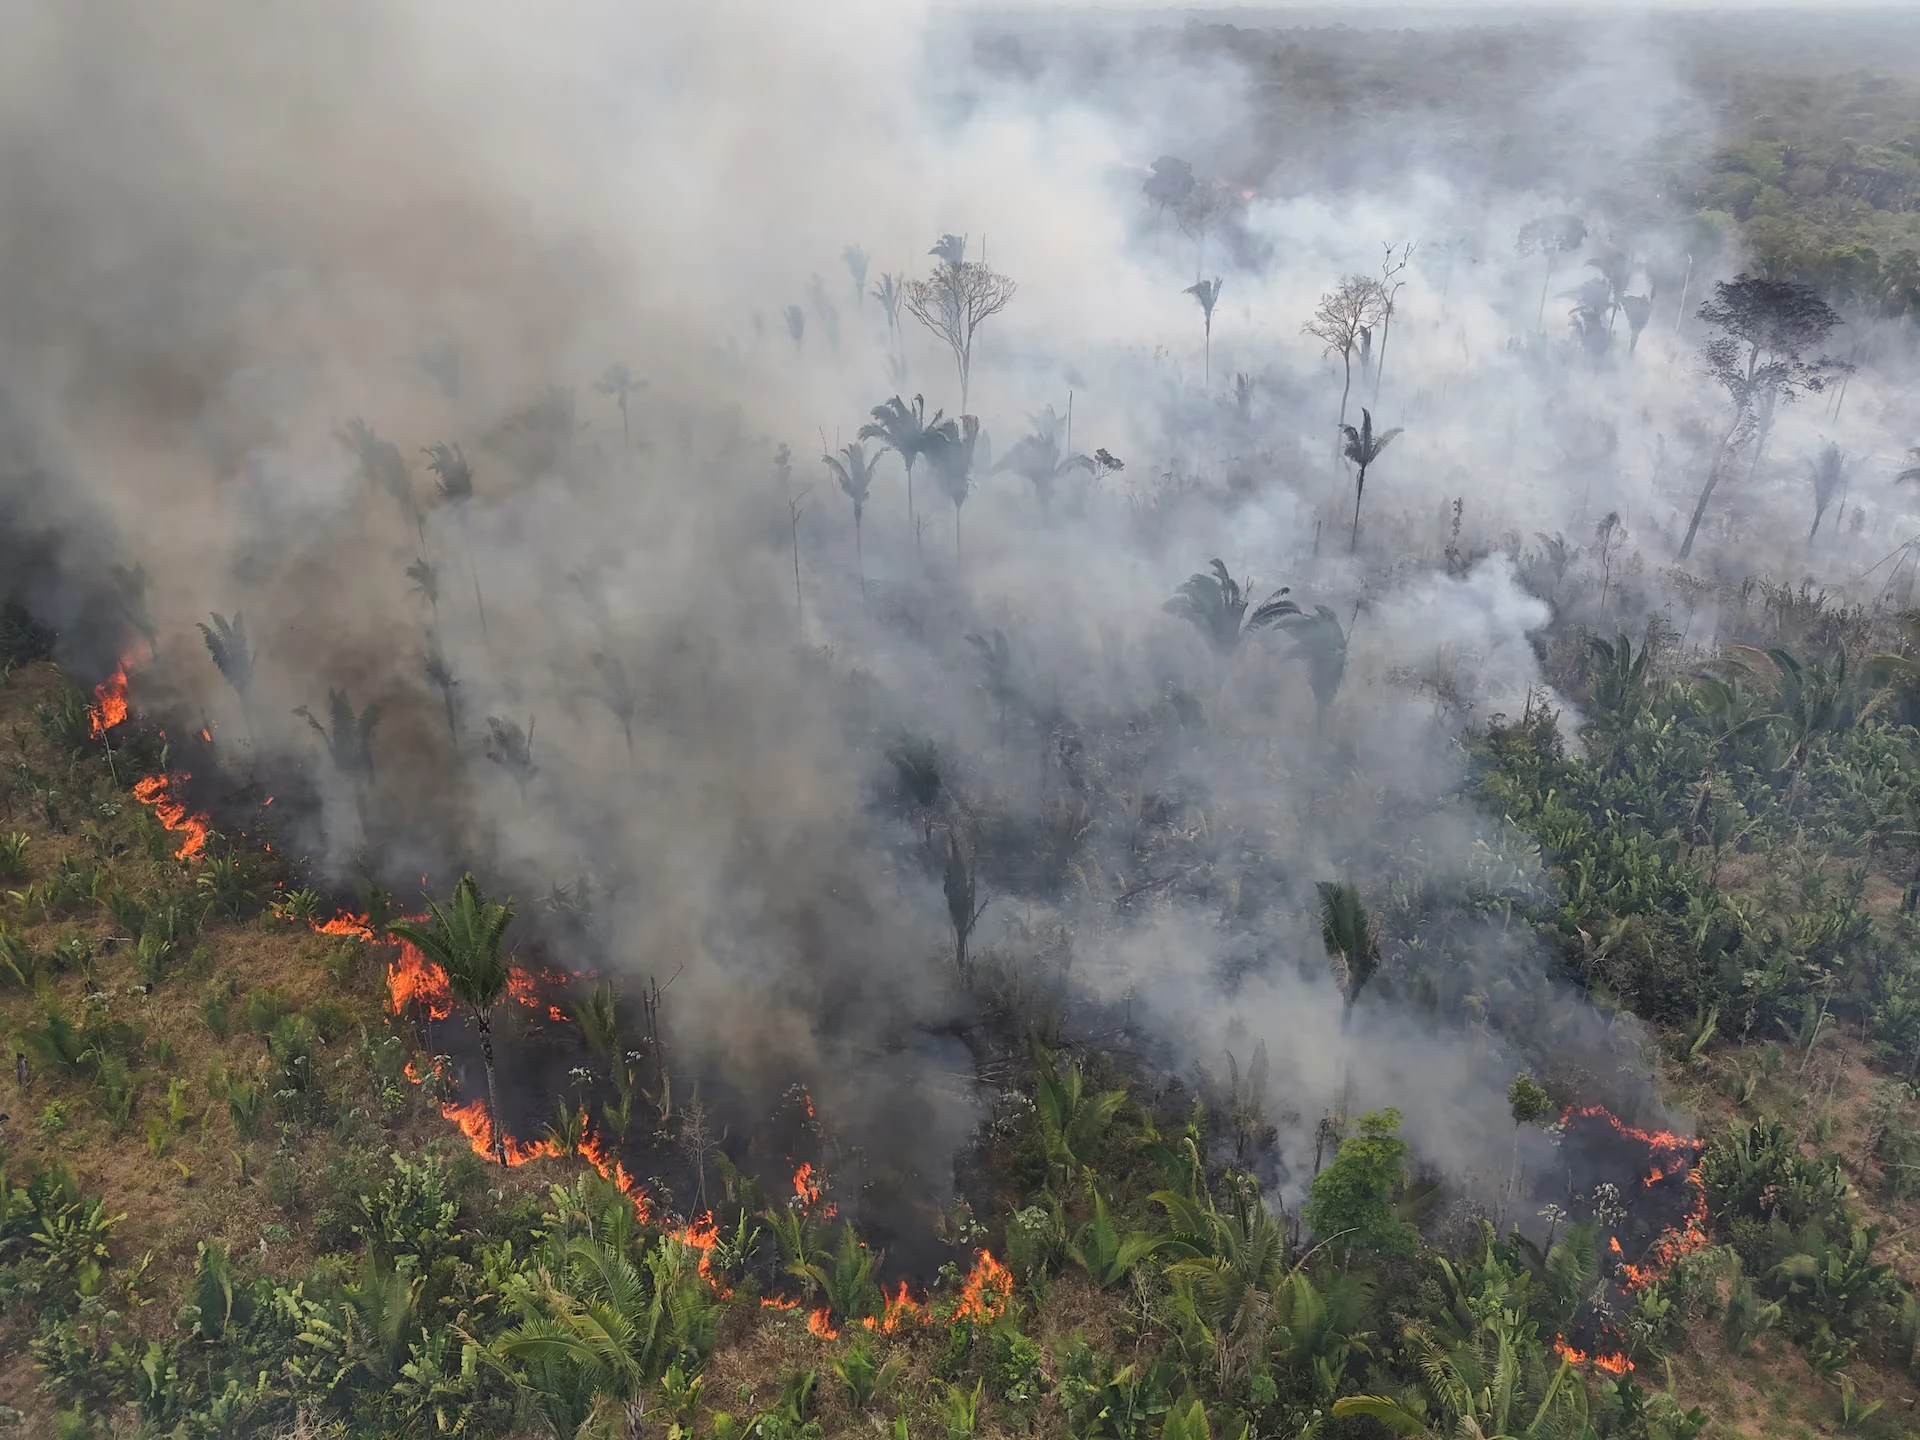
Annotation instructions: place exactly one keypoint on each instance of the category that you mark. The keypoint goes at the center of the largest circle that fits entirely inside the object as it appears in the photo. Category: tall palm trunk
(1706, 491)
(473, 568)
(484, 1019)
(1359, 489)
(910, 524)
(1380, 365)
(860, 564)
(1346, 359)
(1540, 320)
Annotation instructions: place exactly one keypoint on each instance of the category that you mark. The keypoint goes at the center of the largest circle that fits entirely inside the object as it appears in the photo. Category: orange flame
(1613, 1364)
(805, 1188)
(174, 816)
(109, 706)
(413, 977)
(1677, 1154)
(206, 734)
(988, 1291)
(357, 926)
(702, 1235)
(897, 1311)
(477, 1125)
(820, 1323)
(778, 1302)
(611, 1169)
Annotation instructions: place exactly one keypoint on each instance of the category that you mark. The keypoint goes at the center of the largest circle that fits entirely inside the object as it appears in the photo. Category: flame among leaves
(110, 699)
(1670, 1157)
(193, 829)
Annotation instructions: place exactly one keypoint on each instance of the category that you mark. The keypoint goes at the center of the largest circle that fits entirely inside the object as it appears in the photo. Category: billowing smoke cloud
(229, 234)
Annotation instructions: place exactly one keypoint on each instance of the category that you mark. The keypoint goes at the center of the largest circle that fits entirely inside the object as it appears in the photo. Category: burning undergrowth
(1645, 1195)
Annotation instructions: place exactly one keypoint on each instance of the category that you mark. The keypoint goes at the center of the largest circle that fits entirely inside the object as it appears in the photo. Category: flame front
(988, 1291)
(896, 1311)
(805, 1188)
(477, 1125)
(109, 706)
(172, 815)
(411, 978)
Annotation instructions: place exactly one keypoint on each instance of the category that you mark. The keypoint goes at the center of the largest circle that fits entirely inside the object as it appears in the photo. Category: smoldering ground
(647, 651)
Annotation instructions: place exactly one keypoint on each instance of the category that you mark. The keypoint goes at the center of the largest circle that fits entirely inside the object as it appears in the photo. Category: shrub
(13, 856)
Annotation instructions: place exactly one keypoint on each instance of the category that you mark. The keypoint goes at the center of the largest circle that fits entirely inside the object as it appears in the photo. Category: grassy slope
(194, 1191)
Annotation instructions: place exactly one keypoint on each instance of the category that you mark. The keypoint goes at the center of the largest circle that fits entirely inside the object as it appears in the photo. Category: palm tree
(855, 259)
(1912, 472)
(618, 693)
(964, 907)
(796, 319)
(440, 676)
(1480, 1389)
(1347, 932)
(950, 448)
(890, 295)
(1363, 448)
(511, 748)
(382, 464)
(1216, 604)
(903, 429)
(463, 939)
(1207, 292)
(853, 471)
(426, 584)
(349, 739)
(598, 1331)
(1037, 458)
(232, 657)
(1827, 472)
(456, 486)
(1321, 644)
(620, 384)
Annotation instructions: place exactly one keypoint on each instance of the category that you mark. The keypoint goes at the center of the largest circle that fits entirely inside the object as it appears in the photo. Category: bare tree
(1392, 266)
(953, 302)
(1345, 311)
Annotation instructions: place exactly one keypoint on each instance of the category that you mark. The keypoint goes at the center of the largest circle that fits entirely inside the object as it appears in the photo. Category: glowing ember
(988, 1291)
(193, 829)
(206, 734)
(109, 706)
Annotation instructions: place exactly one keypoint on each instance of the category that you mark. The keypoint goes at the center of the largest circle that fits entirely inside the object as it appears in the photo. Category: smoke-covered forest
(750, 721)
